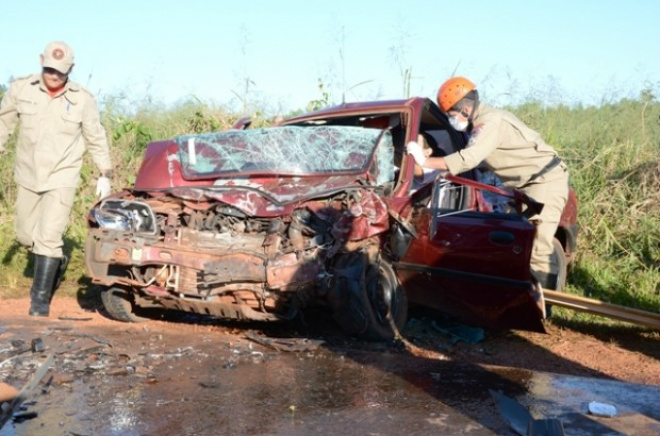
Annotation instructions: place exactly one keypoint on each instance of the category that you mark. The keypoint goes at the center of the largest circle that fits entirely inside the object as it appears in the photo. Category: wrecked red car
(321, 209)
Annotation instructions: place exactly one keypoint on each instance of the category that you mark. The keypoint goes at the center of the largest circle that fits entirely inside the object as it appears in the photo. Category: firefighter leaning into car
(515, 153)
(57, 118)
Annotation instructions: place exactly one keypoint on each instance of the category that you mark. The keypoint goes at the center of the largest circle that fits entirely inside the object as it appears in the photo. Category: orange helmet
(453, 91)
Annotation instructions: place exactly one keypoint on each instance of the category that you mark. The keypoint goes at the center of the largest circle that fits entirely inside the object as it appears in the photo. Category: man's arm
(8, 116)
(95, 137)
(485, 139)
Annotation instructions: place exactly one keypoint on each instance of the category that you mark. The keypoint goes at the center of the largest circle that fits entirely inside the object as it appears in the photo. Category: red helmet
(453, 91)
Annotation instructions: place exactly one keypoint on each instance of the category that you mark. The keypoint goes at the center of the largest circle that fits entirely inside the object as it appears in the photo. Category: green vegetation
(613, 154)
(612, 151)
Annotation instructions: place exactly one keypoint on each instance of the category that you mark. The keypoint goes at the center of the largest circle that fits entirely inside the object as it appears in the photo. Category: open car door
(470, 257)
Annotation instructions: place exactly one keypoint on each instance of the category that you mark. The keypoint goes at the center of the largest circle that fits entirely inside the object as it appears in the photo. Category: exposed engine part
(212, 258)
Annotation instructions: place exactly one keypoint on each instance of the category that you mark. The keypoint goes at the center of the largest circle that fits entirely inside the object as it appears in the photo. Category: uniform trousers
(42, 218)
(552, 190)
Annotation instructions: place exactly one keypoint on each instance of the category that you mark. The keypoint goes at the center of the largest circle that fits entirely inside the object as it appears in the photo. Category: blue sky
(557, 51)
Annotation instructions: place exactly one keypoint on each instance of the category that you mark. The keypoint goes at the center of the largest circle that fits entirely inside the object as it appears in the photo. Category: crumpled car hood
(266, 195)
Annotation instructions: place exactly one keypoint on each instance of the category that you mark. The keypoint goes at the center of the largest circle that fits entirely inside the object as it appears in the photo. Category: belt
(554, 162)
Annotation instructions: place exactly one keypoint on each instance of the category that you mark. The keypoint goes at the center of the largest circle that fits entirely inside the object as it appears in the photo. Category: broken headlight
(125, 216)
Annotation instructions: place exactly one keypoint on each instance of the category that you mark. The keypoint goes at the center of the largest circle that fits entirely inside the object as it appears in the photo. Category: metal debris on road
(93, 338)
(512, 412)
(545, 427)
(286, 344)
(459, 332)
(521, 420)
(74, 318)
(25, 393)
(38, 345)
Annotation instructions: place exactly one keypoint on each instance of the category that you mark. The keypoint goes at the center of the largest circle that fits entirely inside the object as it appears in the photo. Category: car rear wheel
(120, 304)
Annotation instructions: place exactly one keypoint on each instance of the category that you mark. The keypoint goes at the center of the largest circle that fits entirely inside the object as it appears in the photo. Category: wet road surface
(118, 379)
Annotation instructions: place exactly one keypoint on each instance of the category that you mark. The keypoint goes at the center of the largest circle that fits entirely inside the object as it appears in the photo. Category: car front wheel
(369, 301)
(387, 305)
(119, 303)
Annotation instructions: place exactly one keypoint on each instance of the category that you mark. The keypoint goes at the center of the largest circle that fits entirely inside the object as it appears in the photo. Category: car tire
(120, 304)
(386, 304)
(367, 300)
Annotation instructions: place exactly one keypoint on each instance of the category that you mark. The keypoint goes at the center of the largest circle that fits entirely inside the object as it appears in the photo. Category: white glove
(103, 187)
(415, 150)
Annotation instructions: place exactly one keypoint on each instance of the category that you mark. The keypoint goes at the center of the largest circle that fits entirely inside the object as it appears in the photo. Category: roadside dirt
(620, 352)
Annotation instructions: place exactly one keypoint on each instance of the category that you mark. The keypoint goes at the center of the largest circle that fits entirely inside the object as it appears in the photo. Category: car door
(470, 256)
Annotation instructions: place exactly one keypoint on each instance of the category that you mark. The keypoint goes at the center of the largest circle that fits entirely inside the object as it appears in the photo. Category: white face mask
(457, 124)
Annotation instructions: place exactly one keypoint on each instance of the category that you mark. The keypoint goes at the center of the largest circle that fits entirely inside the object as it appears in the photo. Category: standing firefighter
(515, 153)
(57, 119)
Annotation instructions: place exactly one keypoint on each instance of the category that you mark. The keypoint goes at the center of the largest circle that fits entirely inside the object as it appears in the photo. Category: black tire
(367, 300)
(386, 303)
(120, 304)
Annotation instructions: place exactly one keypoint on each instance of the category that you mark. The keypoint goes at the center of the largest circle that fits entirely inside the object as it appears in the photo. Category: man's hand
(103, 187)
(415, 150)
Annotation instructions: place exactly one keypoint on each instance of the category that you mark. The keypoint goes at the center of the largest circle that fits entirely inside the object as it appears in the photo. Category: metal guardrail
(596, 307)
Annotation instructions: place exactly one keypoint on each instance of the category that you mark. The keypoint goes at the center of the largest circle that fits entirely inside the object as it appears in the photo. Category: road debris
(521, 420)
(286, 344)
(512, 412)
(38, 345)
(460, 332)
(602, 409)
(74, 318)
(545, 427)
(7, 412)
(94, 338)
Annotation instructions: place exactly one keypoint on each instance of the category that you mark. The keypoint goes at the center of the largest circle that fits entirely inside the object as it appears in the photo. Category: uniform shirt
(52, 134)
(505, 145)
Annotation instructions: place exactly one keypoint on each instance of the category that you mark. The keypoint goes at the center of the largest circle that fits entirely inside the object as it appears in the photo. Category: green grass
(612, 152)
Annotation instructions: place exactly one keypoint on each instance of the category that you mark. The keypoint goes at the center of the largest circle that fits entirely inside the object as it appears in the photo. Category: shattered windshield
(291, 150)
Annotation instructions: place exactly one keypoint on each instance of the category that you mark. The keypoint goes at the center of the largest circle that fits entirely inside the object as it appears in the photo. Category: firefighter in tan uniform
(515, 153)
(57, 120)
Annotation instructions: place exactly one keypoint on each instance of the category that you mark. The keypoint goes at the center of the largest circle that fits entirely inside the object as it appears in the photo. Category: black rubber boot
(45, 270)
(64, 262)
(547, 280)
